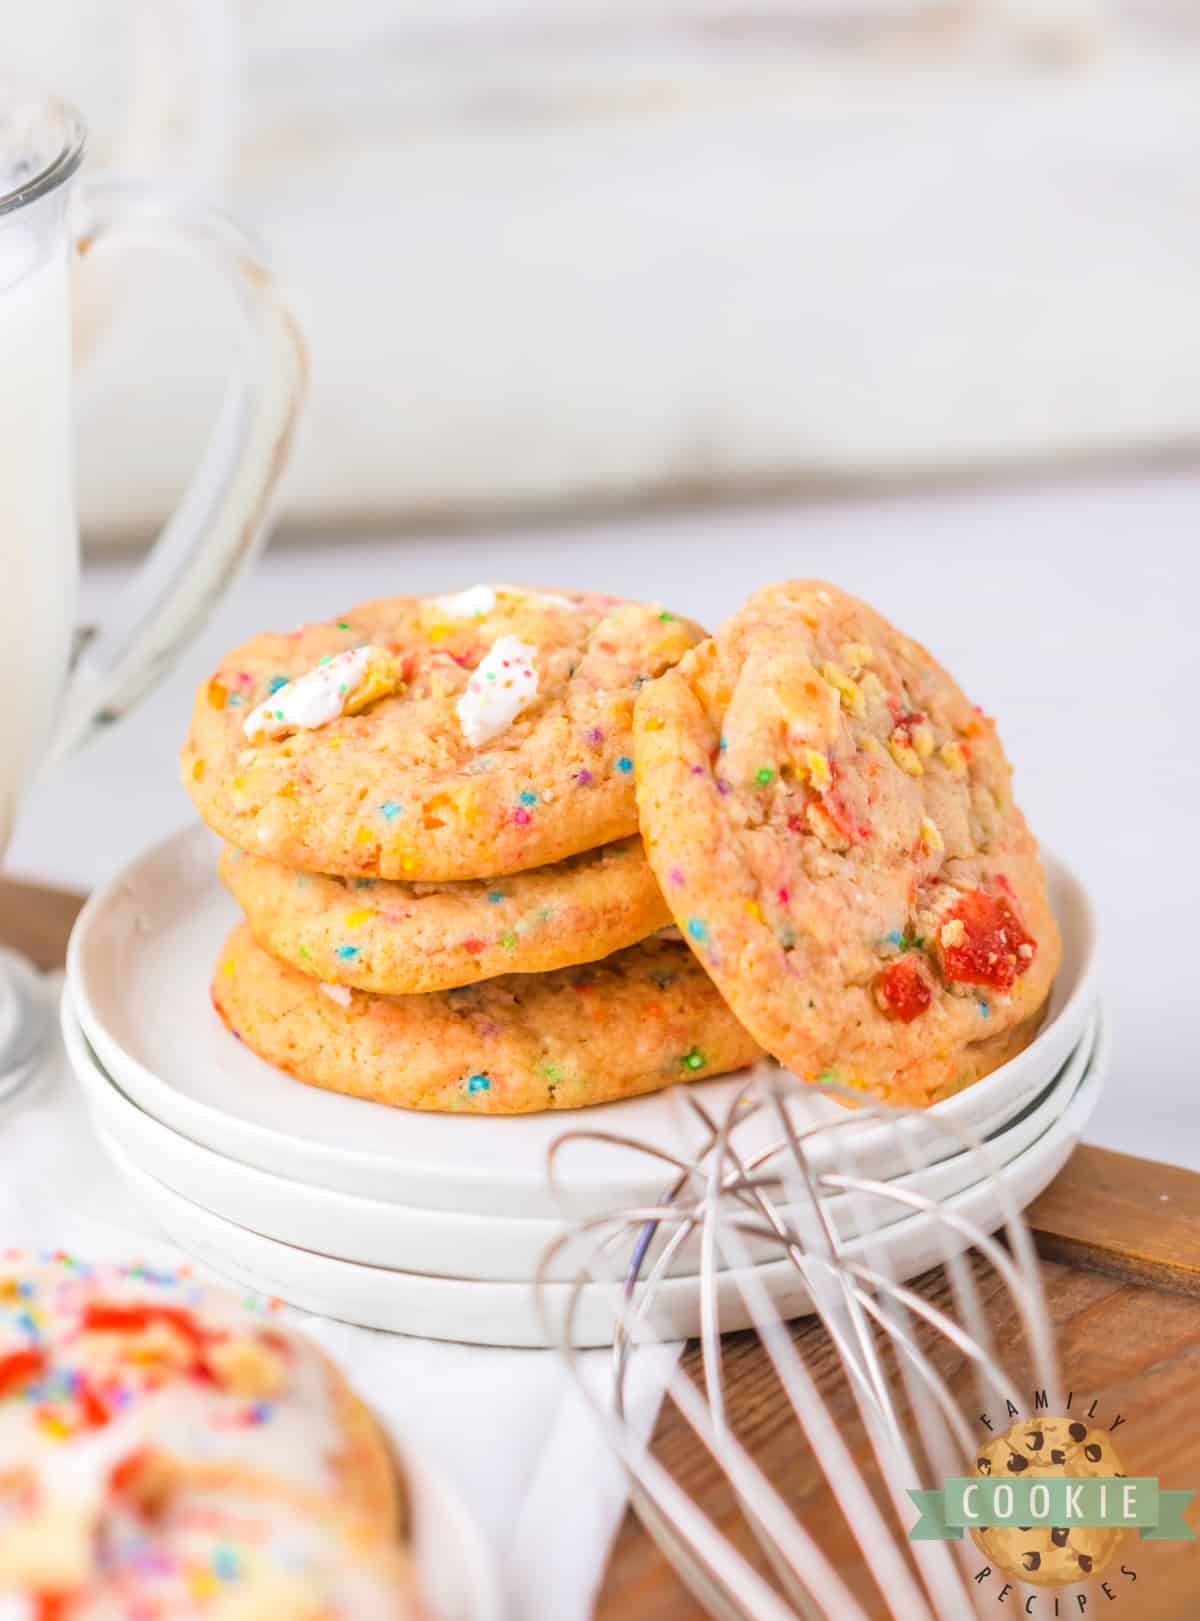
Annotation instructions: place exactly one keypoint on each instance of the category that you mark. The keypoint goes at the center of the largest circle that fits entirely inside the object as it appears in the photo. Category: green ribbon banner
(1052, 1500)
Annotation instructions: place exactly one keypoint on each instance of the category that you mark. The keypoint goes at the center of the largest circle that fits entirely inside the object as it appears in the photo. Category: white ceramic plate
(455, 1244)
(139, 966)
(492, 1313)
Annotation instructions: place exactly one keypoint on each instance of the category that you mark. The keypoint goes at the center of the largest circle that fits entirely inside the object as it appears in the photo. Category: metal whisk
(822, 1199)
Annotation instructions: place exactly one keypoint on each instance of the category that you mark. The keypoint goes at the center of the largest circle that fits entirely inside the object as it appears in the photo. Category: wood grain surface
(1132, 1218)
(36, 920)
(1120, 1238)
(1133, 1349)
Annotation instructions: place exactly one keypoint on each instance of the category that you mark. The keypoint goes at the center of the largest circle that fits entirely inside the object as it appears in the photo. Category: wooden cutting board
(1120, 1241)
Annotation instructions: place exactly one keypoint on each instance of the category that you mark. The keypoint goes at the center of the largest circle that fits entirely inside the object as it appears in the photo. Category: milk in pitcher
(38, 547)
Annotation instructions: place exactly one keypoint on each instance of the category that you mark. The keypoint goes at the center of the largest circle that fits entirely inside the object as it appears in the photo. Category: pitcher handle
(221, 520)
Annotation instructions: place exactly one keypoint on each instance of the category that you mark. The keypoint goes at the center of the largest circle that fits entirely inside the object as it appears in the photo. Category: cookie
(377, 934)
(1051, 1556)
(441, 738)
(636, 1022)
(228, 1557)
(832, 825)
(146, 1421)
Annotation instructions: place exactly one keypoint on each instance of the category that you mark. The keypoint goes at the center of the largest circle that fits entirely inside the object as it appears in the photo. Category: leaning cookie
(832, 825)
(147, 1421)
(380, 935)
(430, 738)
(639, 1021)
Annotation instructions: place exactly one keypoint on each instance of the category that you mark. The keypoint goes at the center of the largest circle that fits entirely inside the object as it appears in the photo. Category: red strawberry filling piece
(21, 1368)
(984, 942)
(903, 990)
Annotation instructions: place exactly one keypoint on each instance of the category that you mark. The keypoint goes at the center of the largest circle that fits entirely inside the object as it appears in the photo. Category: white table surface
(1068, 610)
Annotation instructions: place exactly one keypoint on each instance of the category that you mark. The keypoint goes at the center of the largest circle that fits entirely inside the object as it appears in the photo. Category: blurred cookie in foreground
(641, 1020)
(166, 1451)
(377, 934)
(833, 827)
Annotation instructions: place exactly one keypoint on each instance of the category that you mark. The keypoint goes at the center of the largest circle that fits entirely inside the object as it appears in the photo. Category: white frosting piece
(16, 1607)
(551, 597)
(472, 603)
(78, 1470)
(504, 684)
(312, 699)
(336, 993)
(478, 600)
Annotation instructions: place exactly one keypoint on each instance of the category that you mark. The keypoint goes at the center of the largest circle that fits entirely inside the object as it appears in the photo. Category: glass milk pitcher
(57, 685)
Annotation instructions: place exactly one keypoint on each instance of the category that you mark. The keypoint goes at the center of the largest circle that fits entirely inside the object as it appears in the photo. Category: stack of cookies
(432, 831)
(458, 827)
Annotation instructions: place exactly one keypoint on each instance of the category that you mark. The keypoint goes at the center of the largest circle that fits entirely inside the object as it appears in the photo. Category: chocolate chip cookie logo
(1050, 1503)
(1035, 1454)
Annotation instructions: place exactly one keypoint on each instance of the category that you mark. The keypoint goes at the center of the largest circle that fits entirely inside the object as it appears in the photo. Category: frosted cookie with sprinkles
(218, 1556)
(832, 825)
(639, 1021)
(168, 1451)
(432, 738)
(378, 934)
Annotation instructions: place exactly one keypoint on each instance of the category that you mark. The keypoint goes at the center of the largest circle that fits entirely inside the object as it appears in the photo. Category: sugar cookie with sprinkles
(833, 828)
(637, 1022)
(377, 934)
(432, 738)
(168, 1451)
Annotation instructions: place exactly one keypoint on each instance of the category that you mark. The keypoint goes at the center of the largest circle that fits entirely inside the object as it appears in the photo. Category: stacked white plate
(435, 1224)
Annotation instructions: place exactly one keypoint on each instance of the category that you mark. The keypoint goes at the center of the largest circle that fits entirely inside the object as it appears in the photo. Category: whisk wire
(825, 1197)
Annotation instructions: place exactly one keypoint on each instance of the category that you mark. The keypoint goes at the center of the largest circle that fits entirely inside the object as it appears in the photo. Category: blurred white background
(556, 257)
